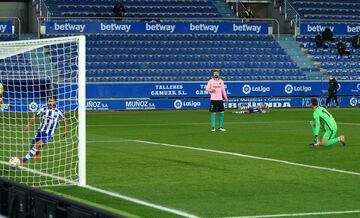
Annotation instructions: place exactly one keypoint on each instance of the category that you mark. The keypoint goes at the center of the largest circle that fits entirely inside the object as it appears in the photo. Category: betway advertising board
(6, 27)
(336, 28)
(81, 27)
(197, 89)
(201, 103)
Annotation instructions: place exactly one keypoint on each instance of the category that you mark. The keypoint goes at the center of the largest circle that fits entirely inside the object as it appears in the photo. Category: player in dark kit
(333, 87)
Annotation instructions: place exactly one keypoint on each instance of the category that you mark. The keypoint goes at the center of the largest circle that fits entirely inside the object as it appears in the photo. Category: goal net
(31, 72)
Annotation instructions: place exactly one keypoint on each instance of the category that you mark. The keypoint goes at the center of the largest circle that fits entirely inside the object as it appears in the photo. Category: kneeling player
(50, 116)
(323, 119)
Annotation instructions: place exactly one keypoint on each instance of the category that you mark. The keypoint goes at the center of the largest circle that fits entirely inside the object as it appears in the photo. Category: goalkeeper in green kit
(323, 119)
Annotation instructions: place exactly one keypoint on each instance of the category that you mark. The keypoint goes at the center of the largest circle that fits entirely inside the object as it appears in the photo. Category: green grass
(216, 185)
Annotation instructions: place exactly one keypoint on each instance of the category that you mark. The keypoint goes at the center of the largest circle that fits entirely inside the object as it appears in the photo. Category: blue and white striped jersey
(50, 119)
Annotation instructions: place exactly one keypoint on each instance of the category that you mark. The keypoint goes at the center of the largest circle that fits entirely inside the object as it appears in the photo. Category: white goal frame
(81, 40)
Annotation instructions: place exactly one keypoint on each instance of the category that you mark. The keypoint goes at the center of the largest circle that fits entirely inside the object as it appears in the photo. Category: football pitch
(169, 164)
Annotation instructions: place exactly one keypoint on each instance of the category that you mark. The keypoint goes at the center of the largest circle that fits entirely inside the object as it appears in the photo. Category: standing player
(323, 119)
(50, 116)
(333, 87)
(216, 88)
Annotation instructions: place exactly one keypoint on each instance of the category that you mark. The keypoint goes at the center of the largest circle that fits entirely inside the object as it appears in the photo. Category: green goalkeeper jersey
(1, 88)
(323, 117)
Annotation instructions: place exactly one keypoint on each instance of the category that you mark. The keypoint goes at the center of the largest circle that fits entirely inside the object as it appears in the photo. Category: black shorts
(216, 106)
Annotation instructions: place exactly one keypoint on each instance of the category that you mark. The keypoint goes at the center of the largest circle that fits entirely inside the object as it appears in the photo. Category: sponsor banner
(6, 27)
(59, 27)
(201, 103)
(178, 104)
(336, 28)
(197, 89)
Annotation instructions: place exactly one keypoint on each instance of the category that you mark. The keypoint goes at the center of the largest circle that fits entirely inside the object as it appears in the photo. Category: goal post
(31, 72)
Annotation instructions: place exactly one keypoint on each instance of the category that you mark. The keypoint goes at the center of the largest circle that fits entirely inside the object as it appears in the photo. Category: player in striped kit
(50, 117)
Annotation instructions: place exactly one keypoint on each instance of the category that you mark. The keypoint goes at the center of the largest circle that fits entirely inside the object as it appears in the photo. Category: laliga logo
(339, 87)
(178, 104)
(353, 101)
(246, 89)
(289, 88)
(33, 106)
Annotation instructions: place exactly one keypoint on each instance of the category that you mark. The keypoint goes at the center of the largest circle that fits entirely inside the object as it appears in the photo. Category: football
(14, 162)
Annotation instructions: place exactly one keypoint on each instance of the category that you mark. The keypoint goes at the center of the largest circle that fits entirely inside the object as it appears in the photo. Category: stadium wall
(20, 9)
(22, 201)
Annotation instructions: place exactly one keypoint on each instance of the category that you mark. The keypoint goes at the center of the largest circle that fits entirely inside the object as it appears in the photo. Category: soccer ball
(14, 162)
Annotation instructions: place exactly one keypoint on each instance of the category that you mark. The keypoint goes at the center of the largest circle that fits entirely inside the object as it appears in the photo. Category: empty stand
(117, 58)
(328, 9)
(134, 8)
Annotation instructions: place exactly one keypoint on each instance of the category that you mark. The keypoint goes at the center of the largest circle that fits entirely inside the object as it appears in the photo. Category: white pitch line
(137, 201)
(249, 156)
(177, 124)
(207, 123)
(300, 214)
(114, 194)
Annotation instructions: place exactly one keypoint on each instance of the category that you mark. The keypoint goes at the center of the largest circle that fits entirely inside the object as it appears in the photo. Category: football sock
(221, 119)
(31, 153)
(332, 141)
(313, 128)
(212, 120)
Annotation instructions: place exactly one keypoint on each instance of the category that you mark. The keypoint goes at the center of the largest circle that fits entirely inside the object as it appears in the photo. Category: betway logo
(115, 27)
(204, 27)
(69, 27)
(318, 28)
(2, 28)
(160, 27)
(352, 29)
(247, 28)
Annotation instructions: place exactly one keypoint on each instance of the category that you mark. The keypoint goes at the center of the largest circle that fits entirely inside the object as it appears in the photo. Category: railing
(42, 8)
(292, 14)
(239, 5)
(17, 24)
(42, 20)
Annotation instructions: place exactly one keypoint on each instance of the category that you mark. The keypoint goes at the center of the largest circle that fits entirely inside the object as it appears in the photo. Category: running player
(50, 117)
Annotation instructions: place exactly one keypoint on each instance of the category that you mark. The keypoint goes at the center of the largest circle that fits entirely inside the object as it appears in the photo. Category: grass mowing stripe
(137, 201)
(117, 195)
(301, 214)
(249, 156)
(104, 207)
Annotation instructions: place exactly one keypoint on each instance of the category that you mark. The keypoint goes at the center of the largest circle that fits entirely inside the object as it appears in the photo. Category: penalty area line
(142, 202)
(250, 156)
(299, 214)
(206, 123)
